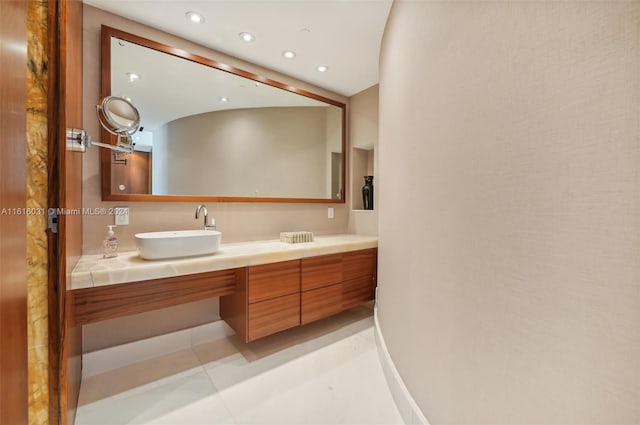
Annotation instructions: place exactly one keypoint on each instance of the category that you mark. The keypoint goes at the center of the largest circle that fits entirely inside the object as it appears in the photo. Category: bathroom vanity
(264, 287)
(273, 297)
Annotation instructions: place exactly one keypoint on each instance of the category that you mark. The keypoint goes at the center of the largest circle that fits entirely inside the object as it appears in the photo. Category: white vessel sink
(179, 243)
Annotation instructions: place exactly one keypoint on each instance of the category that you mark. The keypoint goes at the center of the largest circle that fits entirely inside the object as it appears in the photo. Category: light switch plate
(121, 216)
(330, 213)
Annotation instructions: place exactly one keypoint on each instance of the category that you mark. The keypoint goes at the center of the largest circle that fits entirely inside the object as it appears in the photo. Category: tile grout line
(206, 372)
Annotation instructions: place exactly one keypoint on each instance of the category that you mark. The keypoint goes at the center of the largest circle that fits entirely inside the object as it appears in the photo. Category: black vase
(367, 193)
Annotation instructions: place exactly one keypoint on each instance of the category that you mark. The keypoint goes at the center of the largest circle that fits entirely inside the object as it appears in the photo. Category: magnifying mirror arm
(114, 147)
(116, 115)
(78, 140)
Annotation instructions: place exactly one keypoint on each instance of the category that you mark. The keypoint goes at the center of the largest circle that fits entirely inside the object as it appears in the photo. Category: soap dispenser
(110, 244)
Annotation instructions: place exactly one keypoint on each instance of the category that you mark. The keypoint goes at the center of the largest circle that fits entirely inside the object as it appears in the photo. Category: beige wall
(274, 152)
(363, 134)
(509, 209)
(237, 221)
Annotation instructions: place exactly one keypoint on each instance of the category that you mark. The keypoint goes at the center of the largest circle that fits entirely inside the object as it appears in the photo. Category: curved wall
(509, 213)
(276, 152)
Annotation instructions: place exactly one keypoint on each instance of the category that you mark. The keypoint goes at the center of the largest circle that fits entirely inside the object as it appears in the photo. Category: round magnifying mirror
(121, 115)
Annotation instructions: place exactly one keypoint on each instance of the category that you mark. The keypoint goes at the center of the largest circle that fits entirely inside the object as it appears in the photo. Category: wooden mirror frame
(106, 156)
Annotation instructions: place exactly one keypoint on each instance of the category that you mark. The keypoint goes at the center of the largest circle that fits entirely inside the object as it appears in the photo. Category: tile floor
(326, 372)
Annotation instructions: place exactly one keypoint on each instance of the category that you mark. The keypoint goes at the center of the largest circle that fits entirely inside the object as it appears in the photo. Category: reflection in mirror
(211, 133)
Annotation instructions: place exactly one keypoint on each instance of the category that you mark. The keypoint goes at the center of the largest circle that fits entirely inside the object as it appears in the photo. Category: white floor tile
(158, 403)
(208, 411)
(137, 377)
(340, 384)
(239, 368)
(323, 373)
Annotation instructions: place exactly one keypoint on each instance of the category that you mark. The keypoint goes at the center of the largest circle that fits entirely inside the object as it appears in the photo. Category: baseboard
(407, 406)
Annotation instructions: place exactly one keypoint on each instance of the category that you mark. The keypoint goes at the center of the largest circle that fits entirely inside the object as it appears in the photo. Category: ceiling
(344, 35)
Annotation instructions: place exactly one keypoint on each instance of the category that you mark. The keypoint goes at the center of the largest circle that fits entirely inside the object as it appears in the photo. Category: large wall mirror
(213, 132)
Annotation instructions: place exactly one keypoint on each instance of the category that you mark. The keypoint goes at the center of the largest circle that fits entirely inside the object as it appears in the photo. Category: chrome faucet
(208, 225)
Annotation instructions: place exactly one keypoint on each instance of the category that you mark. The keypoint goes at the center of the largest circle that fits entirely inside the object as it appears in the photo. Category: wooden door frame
(55, 110)
(65, 187)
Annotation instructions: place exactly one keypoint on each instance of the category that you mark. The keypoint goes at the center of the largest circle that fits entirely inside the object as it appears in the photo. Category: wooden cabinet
(255, 301)
(279, 296)
(318, 272)
(274, 280)
(360, 274)
(320, 303)
(274, 315)
(274, 298)
(321, 287)
(268, 301)
(98, 303)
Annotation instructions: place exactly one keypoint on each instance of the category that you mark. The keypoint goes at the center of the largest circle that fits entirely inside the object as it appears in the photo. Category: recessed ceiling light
(322, 68)
(245, 36)
(224, 99)
(132, 77)
(195, 17)
(289, 54)
(258, 84)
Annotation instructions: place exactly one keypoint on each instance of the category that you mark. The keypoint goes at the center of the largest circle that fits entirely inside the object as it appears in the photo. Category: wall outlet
(121, 215)
(330, 212)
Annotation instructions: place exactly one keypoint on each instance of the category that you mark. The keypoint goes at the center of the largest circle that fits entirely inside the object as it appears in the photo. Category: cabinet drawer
(274, 315)
(318, 272)
(357, 291)
(320, 303)
(273, 280)
(358, 264)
